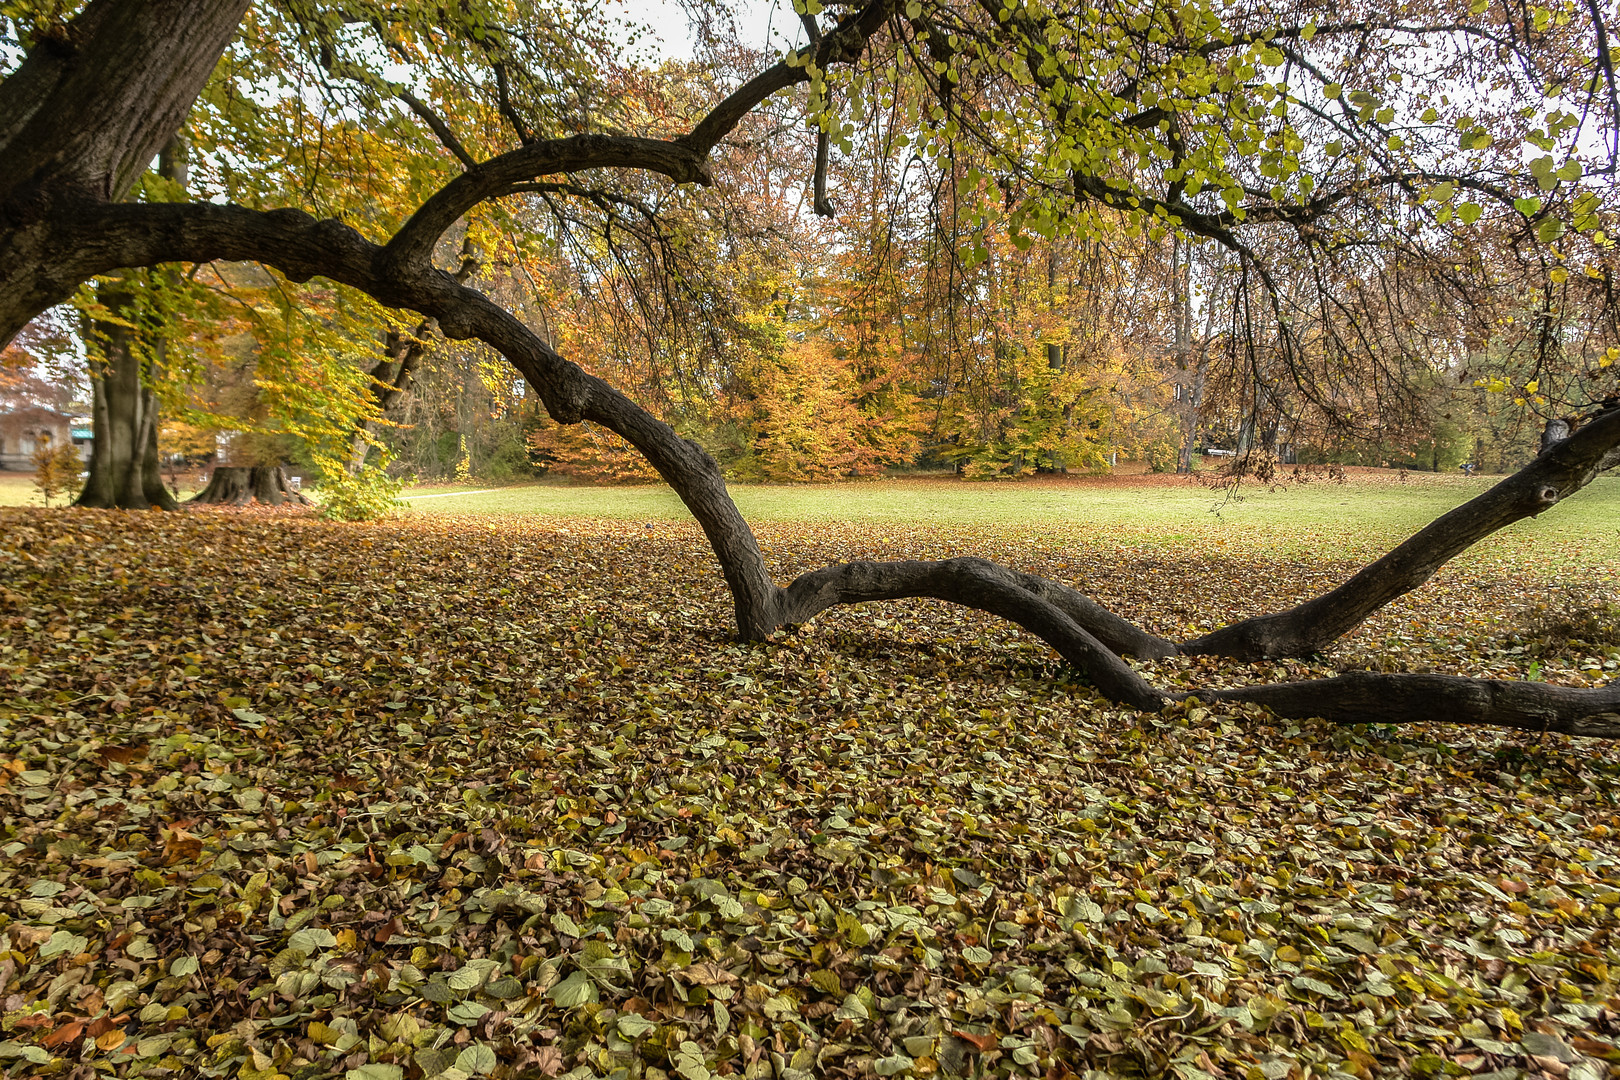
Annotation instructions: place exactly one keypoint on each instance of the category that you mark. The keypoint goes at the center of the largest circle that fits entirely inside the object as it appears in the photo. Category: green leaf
(688, 1061)
(64, 942)
(633, 1025)
(183, 965)
(375, 1071)
(12, 1049)
(467, 978)
(467, 1013)
(504, 988)
(312, 940)
(574, 991)
(1315, 986)
(477, 1059)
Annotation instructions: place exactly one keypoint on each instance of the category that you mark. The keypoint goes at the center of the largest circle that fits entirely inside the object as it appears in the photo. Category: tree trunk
(81, 118)
(391, 380)
(1189, 418)
(239, 485)
(393, 375)
(125, 413)
(124, 471)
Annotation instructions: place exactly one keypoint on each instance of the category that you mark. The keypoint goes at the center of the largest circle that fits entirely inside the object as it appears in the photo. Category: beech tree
(1366, 131)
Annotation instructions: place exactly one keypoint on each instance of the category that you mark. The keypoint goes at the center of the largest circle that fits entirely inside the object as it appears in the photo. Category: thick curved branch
(683, 159)
(842, 44)
(1374, 698)
(65, 124)
(975, 583)
(1557, 474)
(104, 237)
(411, 247)
(849, 583)
(141, 234)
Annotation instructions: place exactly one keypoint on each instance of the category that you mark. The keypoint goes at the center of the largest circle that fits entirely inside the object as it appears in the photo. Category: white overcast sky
(756, 19)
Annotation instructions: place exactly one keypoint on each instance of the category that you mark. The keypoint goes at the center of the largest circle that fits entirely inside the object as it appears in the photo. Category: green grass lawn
(1317, 519)
(1354, 520)
(17, 489)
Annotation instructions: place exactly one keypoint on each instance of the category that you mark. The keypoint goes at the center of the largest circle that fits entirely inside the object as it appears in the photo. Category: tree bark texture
(56, 242)
(129, 475)
(124, 466)
(391, 379)
(240, 485)
(1557, 473)
(1373, 698)
(82, 117)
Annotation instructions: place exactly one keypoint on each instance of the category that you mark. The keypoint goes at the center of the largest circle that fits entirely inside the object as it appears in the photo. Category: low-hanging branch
(67, 233)
(1088, 636)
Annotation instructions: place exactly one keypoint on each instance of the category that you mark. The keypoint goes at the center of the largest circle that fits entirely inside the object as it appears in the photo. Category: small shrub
(366, 496)
(1163, 456)
(56, 471)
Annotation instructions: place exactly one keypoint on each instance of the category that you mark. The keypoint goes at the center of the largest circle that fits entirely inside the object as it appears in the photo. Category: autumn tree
(1231, 123)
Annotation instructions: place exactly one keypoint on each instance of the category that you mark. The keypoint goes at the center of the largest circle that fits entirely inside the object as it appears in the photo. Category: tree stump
(239, 485)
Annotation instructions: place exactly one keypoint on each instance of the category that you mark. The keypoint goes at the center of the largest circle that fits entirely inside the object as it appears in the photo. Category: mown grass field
(17, 489)
(1318, 519)
(466, 794)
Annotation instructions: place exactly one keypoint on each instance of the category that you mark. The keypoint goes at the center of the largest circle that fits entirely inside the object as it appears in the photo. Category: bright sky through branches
(756, 19)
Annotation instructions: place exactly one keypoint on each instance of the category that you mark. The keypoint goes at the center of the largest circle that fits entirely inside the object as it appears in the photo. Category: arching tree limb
(1555, 475)
(975, 583)
(62, 227)
(848, 583)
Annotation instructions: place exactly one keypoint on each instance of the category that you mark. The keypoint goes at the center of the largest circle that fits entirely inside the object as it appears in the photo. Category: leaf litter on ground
(456, 798)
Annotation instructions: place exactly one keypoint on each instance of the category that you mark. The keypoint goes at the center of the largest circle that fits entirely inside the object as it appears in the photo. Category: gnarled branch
(1375, 698)
(1309, 628)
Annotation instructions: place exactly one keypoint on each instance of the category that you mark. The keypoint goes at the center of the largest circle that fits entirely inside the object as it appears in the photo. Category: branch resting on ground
(85, 233)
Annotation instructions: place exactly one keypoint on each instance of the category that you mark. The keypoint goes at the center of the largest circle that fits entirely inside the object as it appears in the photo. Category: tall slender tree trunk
(1181, 319)
(125, 469)
(1189, 417)
(391, 382)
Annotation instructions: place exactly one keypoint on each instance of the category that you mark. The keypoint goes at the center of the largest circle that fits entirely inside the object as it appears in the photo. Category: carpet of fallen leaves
(448, 798)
